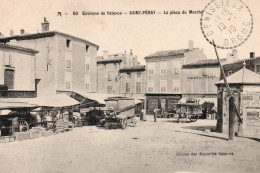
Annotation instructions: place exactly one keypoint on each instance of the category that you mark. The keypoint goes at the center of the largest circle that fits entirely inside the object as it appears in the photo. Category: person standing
(155, 114)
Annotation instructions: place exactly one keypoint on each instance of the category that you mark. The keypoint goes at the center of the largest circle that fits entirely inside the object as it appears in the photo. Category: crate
(11, 138)
(4, 139)
(35, 134)
(46, 133)
(20, 136)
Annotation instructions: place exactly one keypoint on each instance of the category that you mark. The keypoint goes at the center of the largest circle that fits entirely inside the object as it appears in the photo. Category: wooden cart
(187, 112)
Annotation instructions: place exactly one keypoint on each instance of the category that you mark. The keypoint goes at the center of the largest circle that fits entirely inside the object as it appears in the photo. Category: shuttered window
(9, 78)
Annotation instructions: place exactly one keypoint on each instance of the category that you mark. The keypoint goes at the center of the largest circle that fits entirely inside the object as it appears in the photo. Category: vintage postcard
(129, 86)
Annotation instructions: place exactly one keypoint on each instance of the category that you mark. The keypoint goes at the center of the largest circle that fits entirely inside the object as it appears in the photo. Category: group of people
(143, 116)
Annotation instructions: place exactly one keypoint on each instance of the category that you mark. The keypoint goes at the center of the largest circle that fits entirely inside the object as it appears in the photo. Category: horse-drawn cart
(119, 113)
(187, 112)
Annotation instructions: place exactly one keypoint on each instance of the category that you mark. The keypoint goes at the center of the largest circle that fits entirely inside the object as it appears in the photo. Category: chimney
(11, 32)
(22, 31)
(191, 45)
(45, 25)
(252, 54)
(105, 54)
(235, 55)
(1, 35)
(131, 52)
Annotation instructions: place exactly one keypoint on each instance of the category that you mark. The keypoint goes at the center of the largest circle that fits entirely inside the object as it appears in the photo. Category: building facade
(121, 74)
(165, 78)
(64, 62)
(252, 63)
(200, 78)
(17, 71)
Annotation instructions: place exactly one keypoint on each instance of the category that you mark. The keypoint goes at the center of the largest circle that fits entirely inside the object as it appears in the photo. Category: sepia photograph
(129, 86)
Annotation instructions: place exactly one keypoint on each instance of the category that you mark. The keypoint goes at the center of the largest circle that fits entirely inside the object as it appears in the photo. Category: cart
(186, 112)
(119, 113)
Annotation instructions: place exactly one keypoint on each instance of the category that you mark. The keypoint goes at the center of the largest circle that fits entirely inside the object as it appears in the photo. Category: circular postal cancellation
(228, 22)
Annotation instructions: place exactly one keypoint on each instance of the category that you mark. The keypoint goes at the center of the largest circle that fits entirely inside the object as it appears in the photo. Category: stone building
(165, 77)
(17, 71)
(120, 74)
(64, 62)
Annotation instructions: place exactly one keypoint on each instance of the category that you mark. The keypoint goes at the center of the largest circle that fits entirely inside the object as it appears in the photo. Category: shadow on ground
(206, 135)
(201, 128)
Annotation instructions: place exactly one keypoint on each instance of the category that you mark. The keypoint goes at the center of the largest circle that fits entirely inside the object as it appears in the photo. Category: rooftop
(242, 60)
(109, 60)
(8, 46)
(133, 68)
(166, 53)
(41, 35)
(243, 76)
(203, 63)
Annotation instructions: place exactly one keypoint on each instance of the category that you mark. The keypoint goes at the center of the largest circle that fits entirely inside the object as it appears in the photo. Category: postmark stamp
(228, 22)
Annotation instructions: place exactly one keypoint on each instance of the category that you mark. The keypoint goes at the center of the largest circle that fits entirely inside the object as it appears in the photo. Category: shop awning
(15, 105)
(137, 101)
(98, 97)
(57, 100)
(200, 100)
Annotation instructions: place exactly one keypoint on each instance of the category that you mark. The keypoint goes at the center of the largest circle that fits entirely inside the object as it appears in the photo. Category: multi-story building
(200, 78)
(17, 71)
(64, 62)
(252, 63)
(164, 76)
(121, 74)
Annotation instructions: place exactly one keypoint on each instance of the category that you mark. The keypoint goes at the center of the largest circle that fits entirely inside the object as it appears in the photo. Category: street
(164, 146)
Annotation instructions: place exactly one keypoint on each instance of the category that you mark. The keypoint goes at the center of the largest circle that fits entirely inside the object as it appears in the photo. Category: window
(176, 85)
(229, 72)
(115, 65)
(163, 68)
(257, 68)
(9, 78)
(87, 47)
(151, 68)
(87, 82)
(68, 80)
(138, 87)
(68, 63)
(68, 60)
(109, 89)
(87, 86)
(87, 67)
(67, 85)
(139, 75)
(109, 76)
(163, 86)
(176, 67)
(8, 59)
(204, 72)
(87, 62)
(68, 43)
(150, 86)
(128, 75)
(127, 87)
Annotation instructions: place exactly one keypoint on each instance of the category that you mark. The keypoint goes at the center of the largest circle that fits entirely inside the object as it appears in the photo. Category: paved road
(164, 146)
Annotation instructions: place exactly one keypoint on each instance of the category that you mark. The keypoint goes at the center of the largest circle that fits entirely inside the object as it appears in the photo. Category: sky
(144, 34)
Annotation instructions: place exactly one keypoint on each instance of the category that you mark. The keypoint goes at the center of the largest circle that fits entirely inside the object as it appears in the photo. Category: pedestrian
(143, 115)
(155, 114)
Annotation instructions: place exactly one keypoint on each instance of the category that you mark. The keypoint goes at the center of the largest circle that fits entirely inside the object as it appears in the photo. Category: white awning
(200, 100)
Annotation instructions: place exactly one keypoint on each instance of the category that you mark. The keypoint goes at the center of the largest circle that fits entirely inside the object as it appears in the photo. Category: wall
(133, 81)
(54, 78)
(200, 80)
(79, 74)
(103, 82)
(170, 76)
(23, 65)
